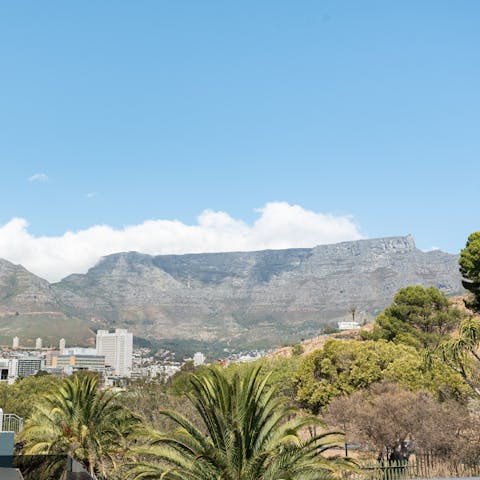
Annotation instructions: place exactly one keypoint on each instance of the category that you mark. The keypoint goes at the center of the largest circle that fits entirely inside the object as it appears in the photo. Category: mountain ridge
(250, 299)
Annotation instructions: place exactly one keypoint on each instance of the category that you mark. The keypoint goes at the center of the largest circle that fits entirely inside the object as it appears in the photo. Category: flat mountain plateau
(240, 299)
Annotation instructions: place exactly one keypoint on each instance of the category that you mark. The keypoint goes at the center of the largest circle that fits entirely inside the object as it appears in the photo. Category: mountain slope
(29, 309)
(251, 298)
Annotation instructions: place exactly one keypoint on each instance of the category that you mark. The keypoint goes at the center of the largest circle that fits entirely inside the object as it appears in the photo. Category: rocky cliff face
(29, 309)
(20, 289)
(265, 297)
(246, 298)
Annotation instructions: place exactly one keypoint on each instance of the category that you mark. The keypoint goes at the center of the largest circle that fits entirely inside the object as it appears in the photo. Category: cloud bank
(279, 225)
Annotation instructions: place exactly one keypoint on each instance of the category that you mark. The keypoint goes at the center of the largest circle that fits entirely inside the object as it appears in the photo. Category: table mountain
(251, 298)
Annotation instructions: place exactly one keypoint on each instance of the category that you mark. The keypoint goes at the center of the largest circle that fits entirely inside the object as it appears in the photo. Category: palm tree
(461, 353)
(83, 421)
(248, 433)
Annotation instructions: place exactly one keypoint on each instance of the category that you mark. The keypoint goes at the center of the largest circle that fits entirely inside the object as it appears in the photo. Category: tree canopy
(80, 419)
(418, 316)
(470, 269)
(20, 397)
(342, 367)
(461, 353)
(246, 433)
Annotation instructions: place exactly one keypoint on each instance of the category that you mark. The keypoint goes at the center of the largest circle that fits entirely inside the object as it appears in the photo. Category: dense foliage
(418, 316)
(20, 397)
(461, 353)
(80, 419)
(343, 367)
(412, 377)
(470, 269)
(246, 433)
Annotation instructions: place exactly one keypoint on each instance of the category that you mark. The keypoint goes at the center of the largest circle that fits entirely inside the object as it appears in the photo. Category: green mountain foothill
(242, 299)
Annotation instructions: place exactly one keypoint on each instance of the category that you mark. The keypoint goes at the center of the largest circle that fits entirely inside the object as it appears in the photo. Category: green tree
(20, 397)
(279, 371)
(342, 367)
(418, 316)
(470, 269)
(82, 420)
(297, 349)
(247, 434)
(146, 399)
(460, 353)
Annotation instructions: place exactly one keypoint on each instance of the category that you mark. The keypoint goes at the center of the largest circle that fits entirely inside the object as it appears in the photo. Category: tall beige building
(117, 347)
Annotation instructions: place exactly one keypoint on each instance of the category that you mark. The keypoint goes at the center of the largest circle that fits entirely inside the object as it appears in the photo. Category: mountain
(29, 309)
(251, 298)
(242, 299)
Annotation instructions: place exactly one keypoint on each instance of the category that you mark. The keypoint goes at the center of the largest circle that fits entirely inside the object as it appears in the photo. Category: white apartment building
(198, 359)
(117, 347)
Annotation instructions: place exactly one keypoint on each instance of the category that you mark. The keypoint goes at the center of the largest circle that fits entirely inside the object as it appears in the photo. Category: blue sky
(162, 109)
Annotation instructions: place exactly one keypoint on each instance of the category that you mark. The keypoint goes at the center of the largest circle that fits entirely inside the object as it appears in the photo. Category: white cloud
(279, 225)
(38, 177)
(431, 249)
(91, 194)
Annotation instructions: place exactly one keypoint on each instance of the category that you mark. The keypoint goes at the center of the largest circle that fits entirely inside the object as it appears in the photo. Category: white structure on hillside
(61, 345)
(38, 344)
(16, 342)
(198, 359)
(348, 325)
(118, 350)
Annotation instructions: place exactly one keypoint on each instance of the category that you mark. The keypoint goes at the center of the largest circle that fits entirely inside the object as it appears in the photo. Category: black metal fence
(64, 467)
(418, 466)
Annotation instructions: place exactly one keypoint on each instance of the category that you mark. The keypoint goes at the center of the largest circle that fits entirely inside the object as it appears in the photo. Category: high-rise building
(61, 345)
(117, 347)
(16, 342)
(38, 344)
(198, 359)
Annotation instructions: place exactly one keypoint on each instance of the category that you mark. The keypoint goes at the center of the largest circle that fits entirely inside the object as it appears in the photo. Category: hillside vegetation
(408, 384)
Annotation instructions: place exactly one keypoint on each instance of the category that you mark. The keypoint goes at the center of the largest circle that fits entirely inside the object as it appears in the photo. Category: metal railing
(420, 466)
(11, 423)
